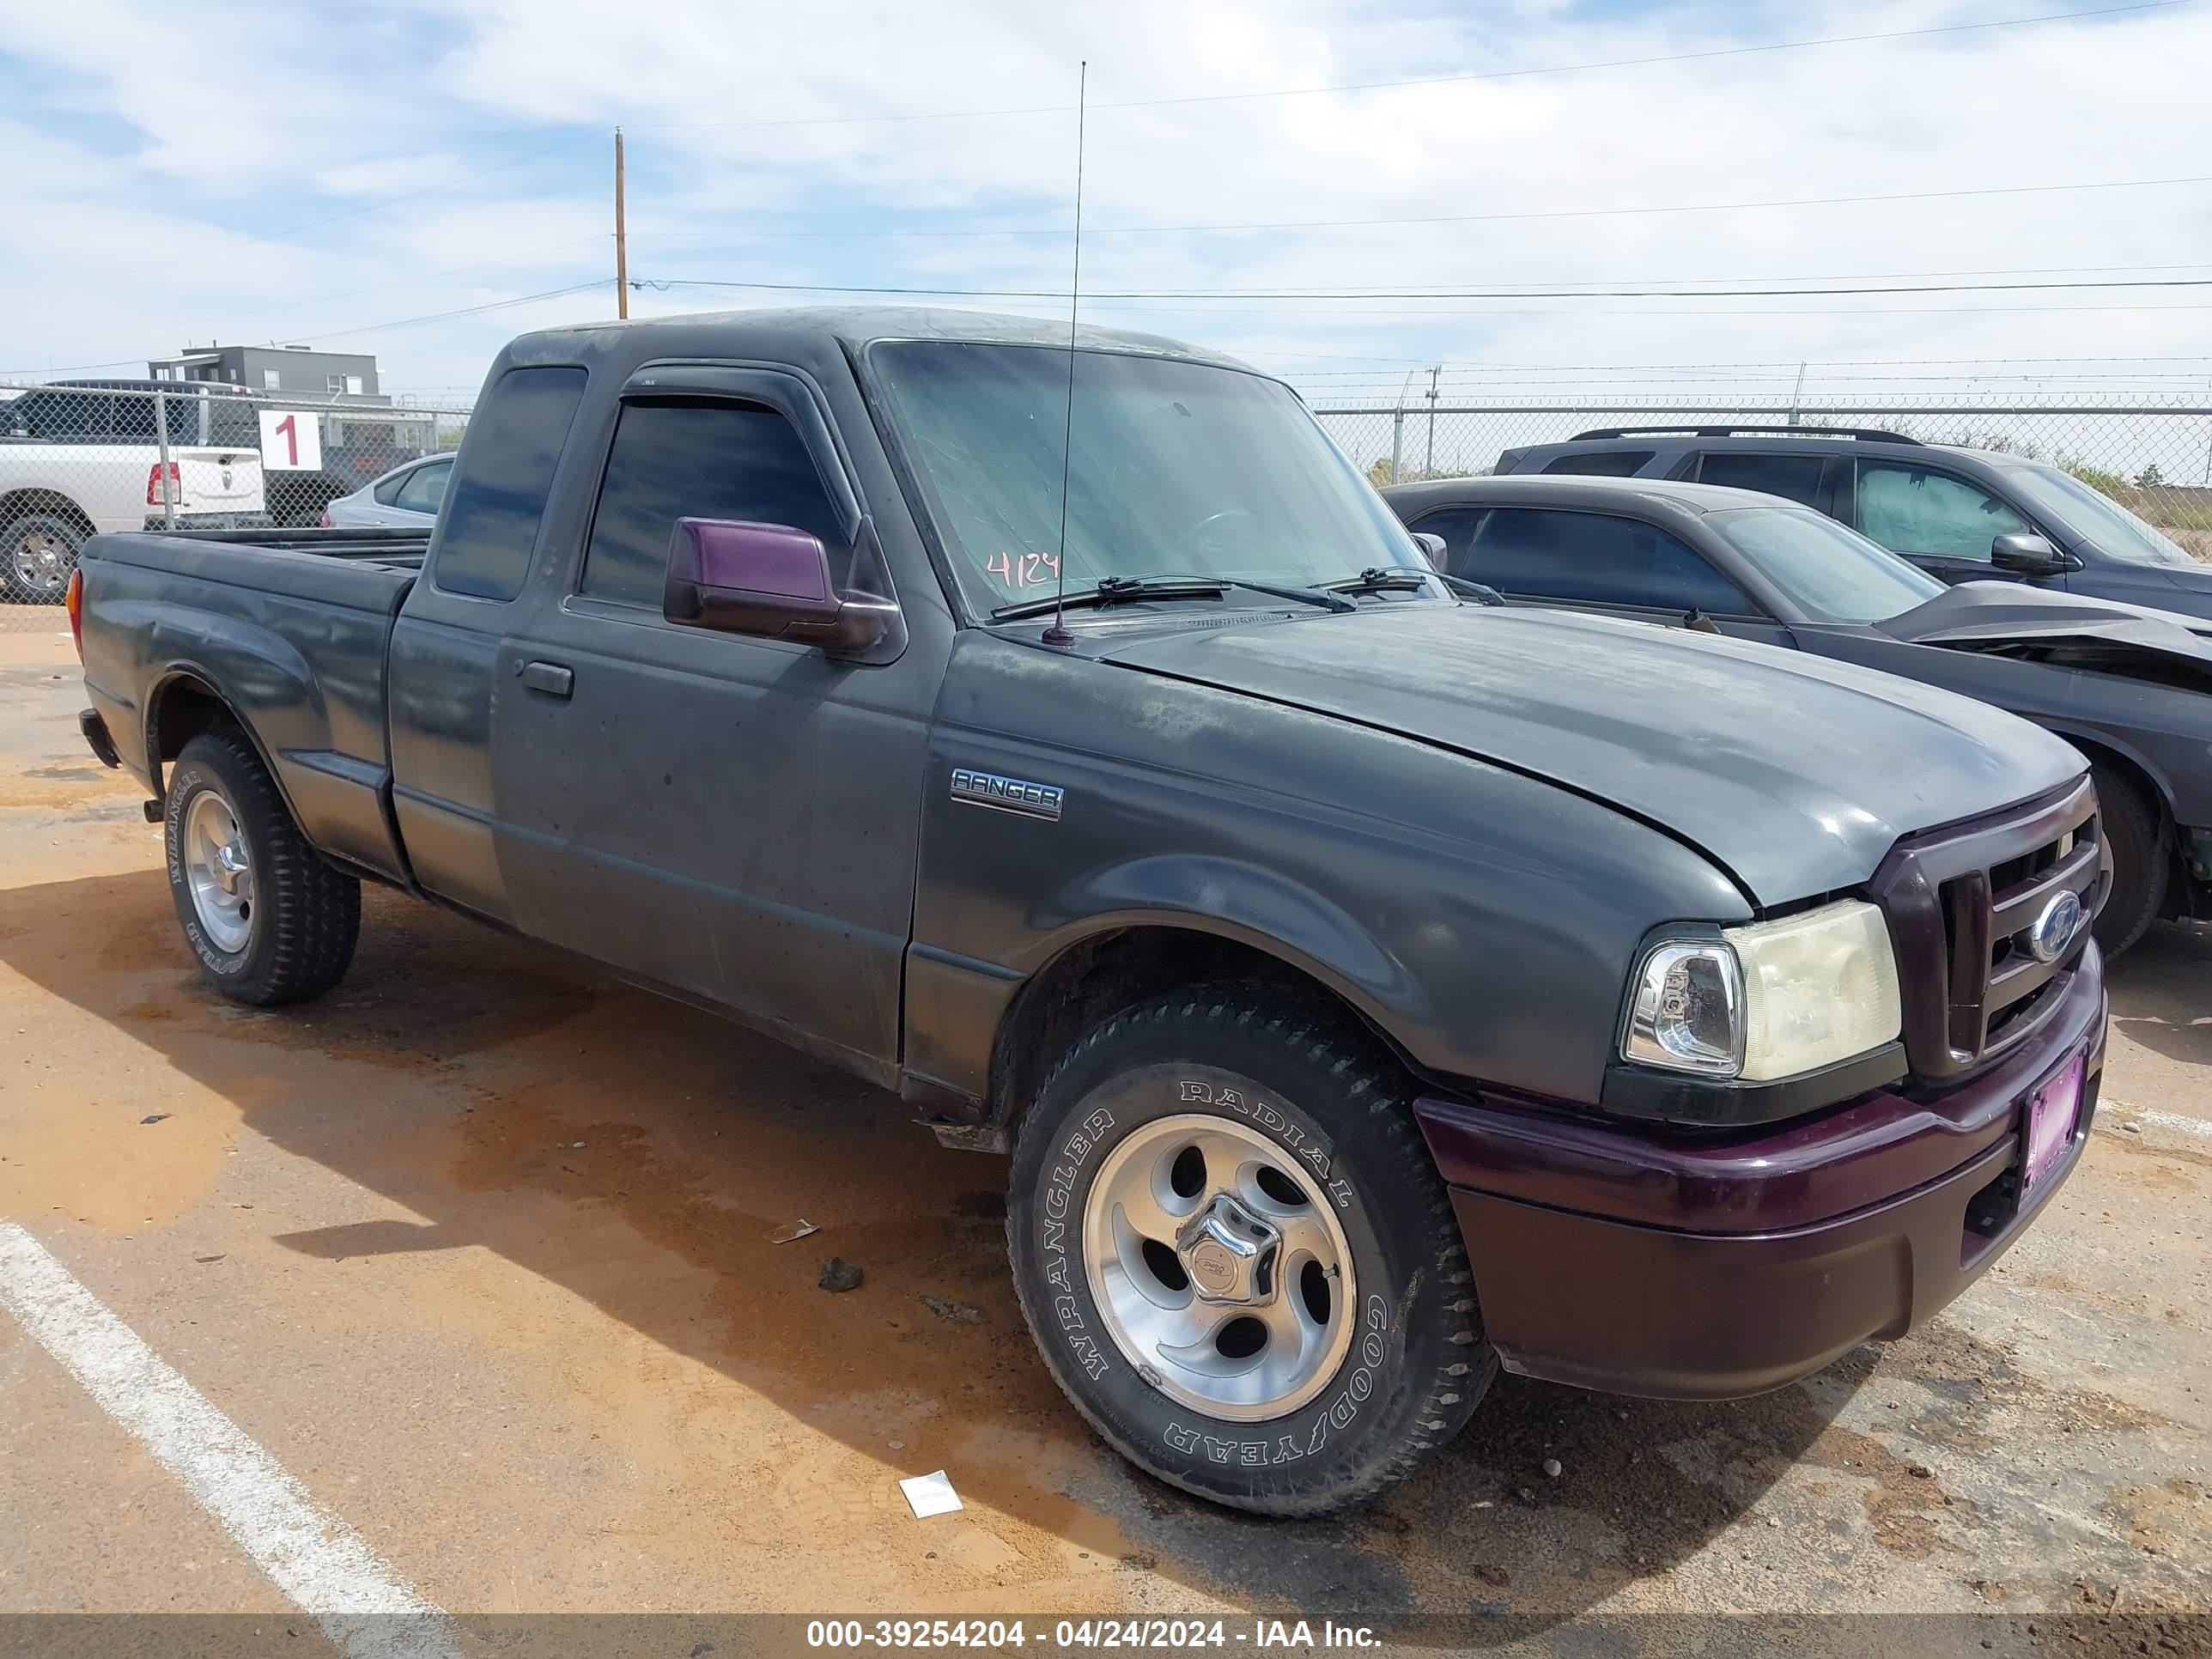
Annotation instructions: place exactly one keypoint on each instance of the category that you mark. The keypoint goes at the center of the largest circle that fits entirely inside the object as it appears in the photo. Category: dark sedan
(2132, 689)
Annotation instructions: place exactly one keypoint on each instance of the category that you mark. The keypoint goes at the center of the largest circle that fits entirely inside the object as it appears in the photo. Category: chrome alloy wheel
(41, 560)
(1222, 1274)
(219, 872)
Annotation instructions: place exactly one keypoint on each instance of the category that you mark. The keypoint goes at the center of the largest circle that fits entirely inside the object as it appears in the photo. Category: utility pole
(1429, 469)
(622, 239)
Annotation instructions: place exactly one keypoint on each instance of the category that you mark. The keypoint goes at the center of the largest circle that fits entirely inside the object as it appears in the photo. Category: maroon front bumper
(1650, 1262)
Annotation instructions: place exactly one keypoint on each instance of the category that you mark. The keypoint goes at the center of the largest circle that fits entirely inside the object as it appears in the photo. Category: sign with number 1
(291, 441)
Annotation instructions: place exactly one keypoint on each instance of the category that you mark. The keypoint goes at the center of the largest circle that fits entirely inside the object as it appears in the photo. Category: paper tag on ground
(930, 1494)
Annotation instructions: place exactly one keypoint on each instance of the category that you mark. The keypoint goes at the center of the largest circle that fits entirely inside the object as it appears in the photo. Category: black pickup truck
(1370, 987)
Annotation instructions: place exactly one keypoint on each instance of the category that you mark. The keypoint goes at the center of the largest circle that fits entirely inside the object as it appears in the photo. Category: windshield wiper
(1320, 596)
(1387, 578)
(1380, 578)
(1117, 590)
(1481, 592)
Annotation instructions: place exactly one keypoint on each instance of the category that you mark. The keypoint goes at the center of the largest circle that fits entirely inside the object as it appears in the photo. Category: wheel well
(2145, 785)
(2177, 883)
(44, 501)
(183, 709)
(1098, 977)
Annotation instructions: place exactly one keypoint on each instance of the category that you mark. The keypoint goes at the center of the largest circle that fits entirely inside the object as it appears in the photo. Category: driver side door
(734, 818)
(1944, 523)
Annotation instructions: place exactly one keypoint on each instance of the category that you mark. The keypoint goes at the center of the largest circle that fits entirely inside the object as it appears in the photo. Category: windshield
(1833, 574)
(2096, 517)
(1179, 469)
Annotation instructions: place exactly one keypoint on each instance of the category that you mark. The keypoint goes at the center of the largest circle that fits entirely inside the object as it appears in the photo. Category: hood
(2183, 588)
(1796, 776)
(2069, 629)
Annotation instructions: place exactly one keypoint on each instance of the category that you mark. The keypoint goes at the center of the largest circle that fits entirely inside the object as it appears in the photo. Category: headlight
(1769, 999)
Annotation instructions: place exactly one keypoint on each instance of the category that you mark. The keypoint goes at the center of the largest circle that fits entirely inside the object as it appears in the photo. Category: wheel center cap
(1230, 1254)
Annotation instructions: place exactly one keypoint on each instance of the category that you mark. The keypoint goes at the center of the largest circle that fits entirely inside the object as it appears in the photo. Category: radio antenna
(1057, 633)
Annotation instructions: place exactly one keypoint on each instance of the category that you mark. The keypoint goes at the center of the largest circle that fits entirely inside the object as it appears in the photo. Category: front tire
(1236, 1256)
(2136, 832)
(270, 921)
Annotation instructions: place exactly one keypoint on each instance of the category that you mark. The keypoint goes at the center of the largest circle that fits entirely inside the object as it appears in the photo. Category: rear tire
(2135, 830)
(38, 550)
(1357, 1347)
(270, 921)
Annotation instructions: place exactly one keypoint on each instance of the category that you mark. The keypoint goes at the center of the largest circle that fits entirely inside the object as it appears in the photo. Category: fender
(263, 679)
(172, 676)
(337, 799)
(1234, 899)
(956, 1006)
(2194, 810)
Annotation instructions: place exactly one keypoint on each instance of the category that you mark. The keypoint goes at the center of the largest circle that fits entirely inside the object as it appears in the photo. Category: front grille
(1960, 903)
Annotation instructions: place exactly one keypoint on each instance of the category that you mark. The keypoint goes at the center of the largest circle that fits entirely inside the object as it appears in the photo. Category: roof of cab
(1568, 489)
(859, 326)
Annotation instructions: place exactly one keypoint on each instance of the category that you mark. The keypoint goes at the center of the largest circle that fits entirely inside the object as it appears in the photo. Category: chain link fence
(81, 458)
(2154, 458)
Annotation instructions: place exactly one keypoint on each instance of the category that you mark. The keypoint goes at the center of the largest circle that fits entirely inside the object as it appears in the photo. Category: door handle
(550, 677)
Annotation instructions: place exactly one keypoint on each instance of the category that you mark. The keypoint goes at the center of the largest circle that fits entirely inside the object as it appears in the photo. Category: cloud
(136, 216)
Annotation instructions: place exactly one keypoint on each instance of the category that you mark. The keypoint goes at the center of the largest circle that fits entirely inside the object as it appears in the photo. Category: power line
(432, 275)
(1416, 290)
(1678, 313)
(1412, 80)
(1691, 207)
(462, 311)
(1443, 219)
(1102, 296)
(1833, 362)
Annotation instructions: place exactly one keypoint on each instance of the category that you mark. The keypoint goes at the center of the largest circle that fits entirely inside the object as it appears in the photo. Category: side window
(1592, 558)
(65, 414)
(421, 490)
(386, 492)
(514, 441)
(683, 458)
(1796, 478)
(1457, 525)
(234, 423)
(130, 417)
(1911, 510)
(1603, 464)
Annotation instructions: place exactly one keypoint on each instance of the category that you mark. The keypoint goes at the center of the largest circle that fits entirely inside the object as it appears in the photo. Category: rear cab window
(490, 528)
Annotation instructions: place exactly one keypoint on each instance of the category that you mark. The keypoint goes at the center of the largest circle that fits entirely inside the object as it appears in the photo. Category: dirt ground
(478, 1248)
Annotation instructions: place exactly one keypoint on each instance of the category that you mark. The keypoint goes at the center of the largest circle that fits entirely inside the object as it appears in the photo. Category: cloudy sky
(402, 177)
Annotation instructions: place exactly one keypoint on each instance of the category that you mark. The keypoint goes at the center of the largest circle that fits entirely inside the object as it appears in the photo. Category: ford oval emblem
(2054, 929)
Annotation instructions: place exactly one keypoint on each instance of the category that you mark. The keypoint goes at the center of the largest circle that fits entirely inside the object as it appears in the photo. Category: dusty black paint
(1462, 822)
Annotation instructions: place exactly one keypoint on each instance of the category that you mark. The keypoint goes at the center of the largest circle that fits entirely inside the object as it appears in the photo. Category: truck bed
(292, 627)
(399, 549)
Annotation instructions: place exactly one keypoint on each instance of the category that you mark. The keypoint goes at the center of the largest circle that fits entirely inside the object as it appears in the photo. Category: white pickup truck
(85, 460)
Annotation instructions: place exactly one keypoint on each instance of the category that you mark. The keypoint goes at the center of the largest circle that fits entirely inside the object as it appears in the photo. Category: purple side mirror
(769, 580)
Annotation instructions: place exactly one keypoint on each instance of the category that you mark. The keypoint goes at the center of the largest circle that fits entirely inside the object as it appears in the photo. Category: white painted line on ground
(366, 1609)
(2198, 1126)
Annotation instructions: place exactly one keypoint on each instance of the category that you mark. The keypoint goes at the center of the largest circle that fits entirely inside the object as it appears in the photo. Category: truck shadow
(2158, 991)
(533, 1108)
